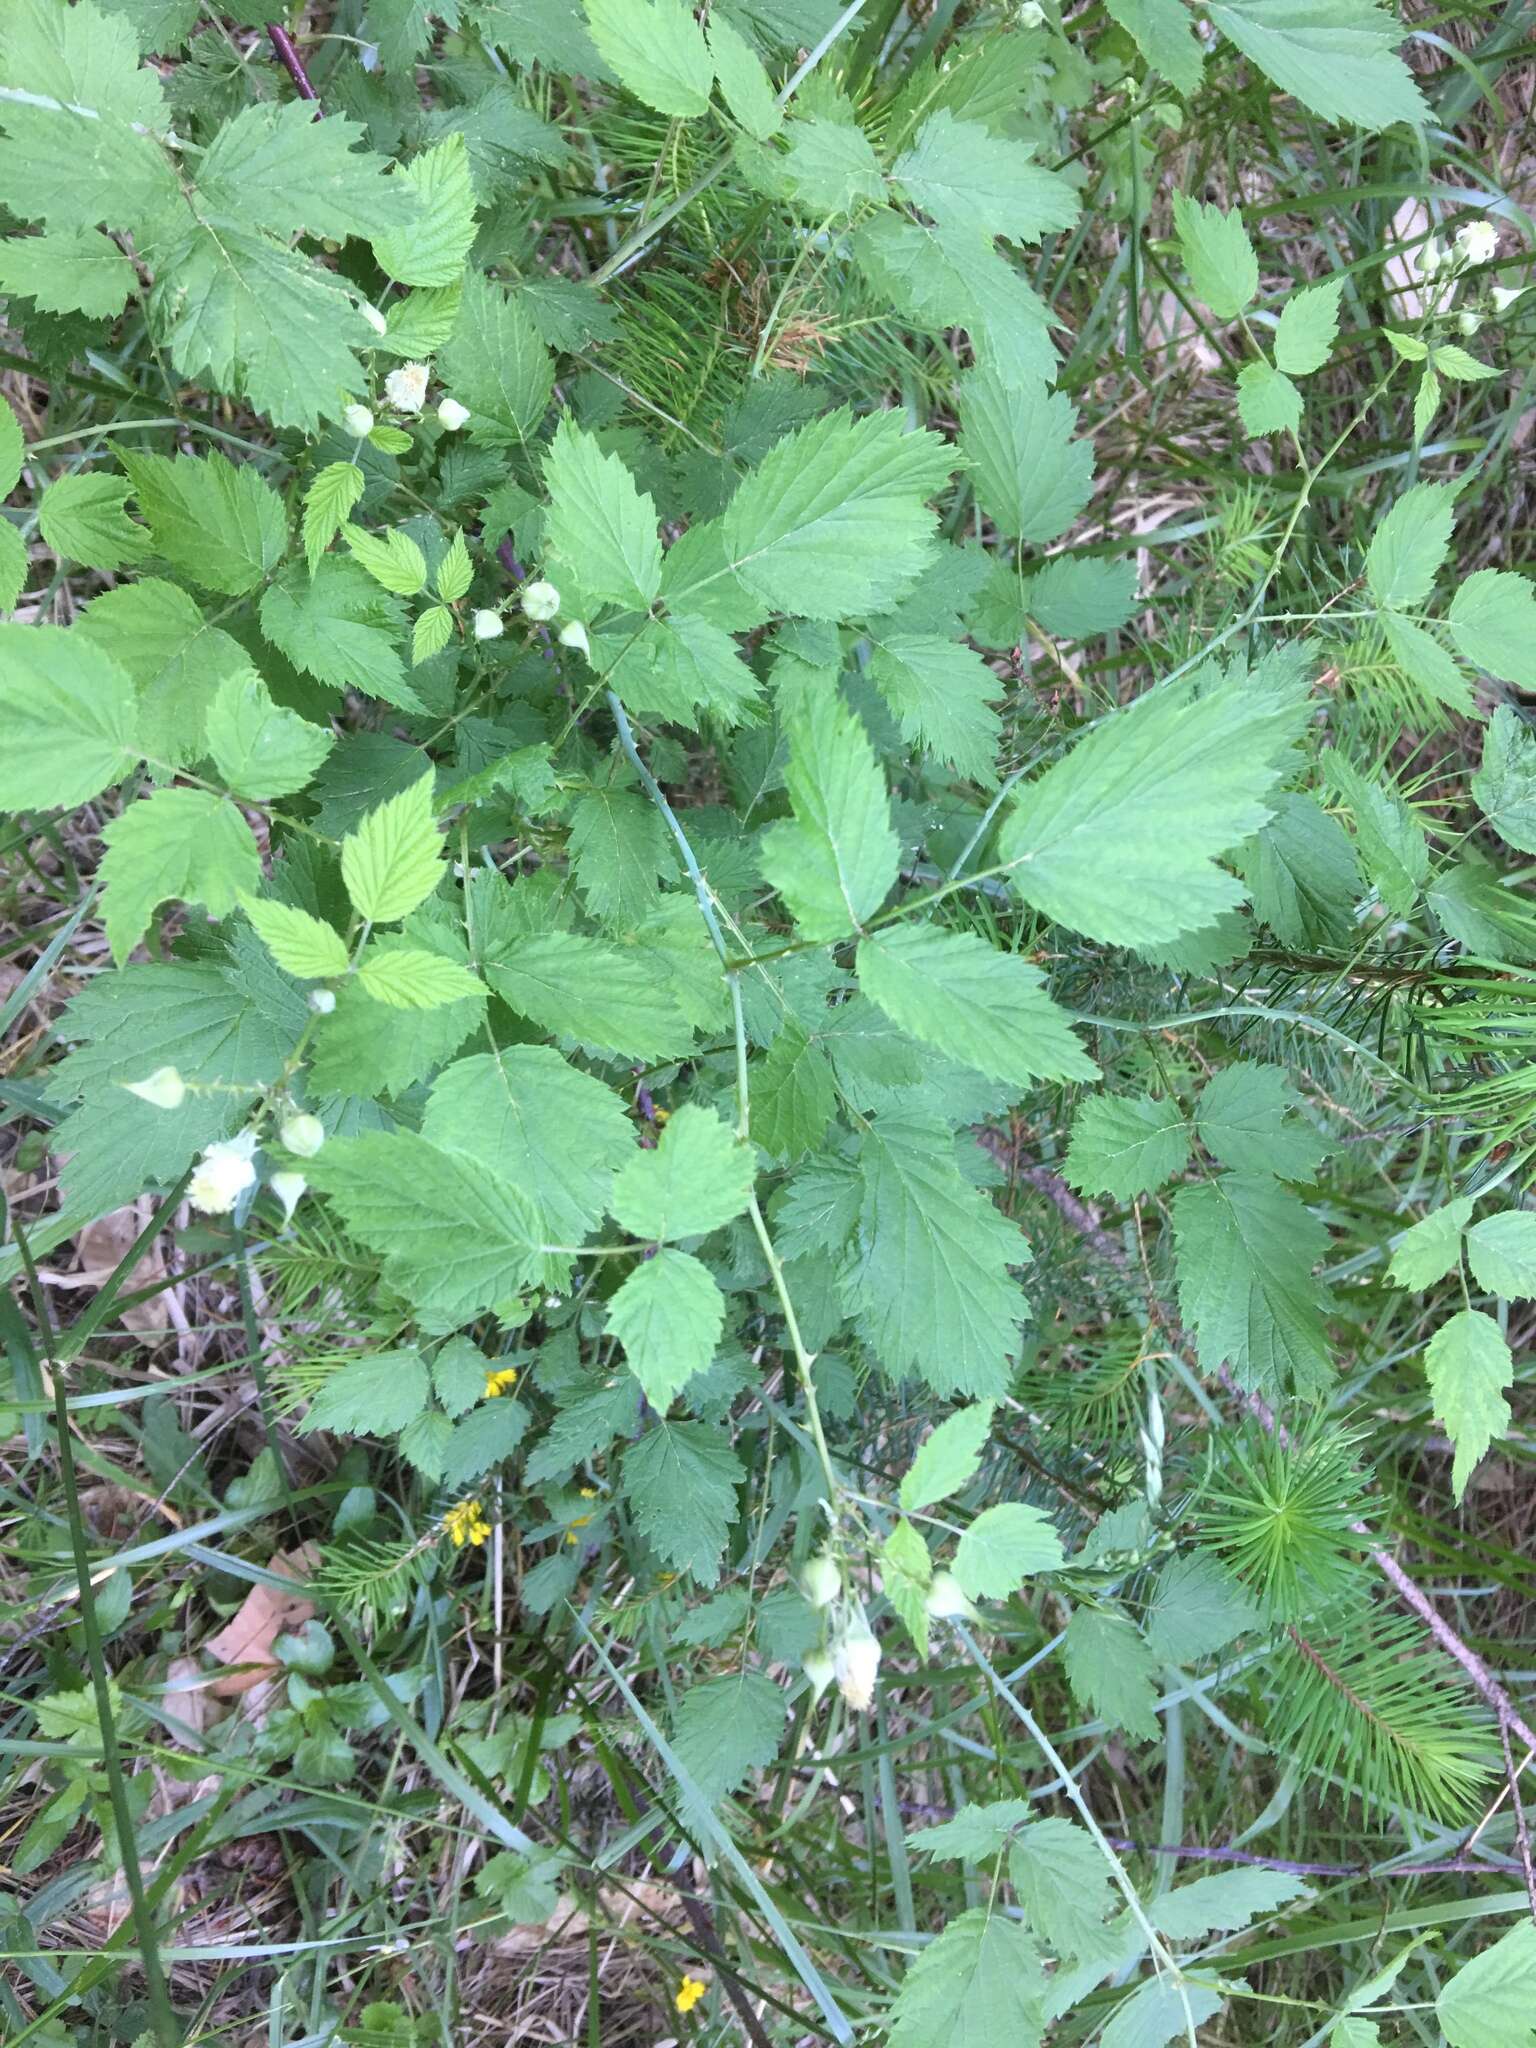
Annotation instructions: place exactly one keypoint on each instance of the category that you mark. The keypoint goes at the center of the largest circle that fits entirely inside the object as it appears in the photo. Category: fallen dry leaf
(100, 1246)
(247, 1637)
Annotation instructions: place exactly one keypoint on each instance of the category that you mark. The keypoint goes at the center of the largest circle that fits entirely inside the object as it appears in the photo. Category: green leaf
(1505, 785)
(525, 1888)
(1428, 1249)
(1302, 874)
(1126, 1145)
(952, 277)
(1242, 1118)
(1161, 2010)
(184, 843)
(1002, 1546)
(680, 1484)
(431, 633)
(411, 978)
(657, 50)
(948, 1459)
(940, 693)
(618, 847)
(833, 521)
(68, 713)
(81, 517)
(794, 1095)
(1166, 37)
(371, 1396)
(1481, 913)
(393, 861)
(986, 1009)
(300, 944)
(906, 1572)
(1223, 269)
(1420, 656)
(1120, 840)
(455, 572)
(976, 1833)
(744, 84)
(1501, 1251)
(979, 1983)
(431, 248)
(1267, 402)
(1076, 596)
(831, 166)
(1196, 1610)
(1336, 56)
(966, 177)
(1392, 841)
(14, 565)
(599, 524)
(1309, 326)
(1246, 1248)
(1062, 1883)
(1032, 473)
(12, 448)
(929, 1273)
(219, 524)
(456, 1237)
(1410, 545)
(260, 749)
(176, 659)
(836, 861)
(1111, 1671)
(1492, 619)
(1490, 2000)
(338, 626)
(590, 991)
(680, 666)
(668, 1316)
(495, 363)
(392, 559)
(727, 1728)
(274, 166)
(697, 1177)
(327, 502)
(1223, 1902)
(71, 270)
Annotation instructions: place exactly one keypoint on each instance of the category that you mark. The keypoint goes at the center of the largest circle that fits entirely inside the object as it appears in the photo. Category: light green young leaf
(327, 502)
(184, 843)
(668, 1316)
(600, 524)
(82, 518)
(979, 1983)
(410, 978)
(371, 1396)
(986, 1009)
(1309, 326)
(794, 1095)
(1501, 1250)
(176, 659)
(1267, 401)
(836, 861)
(948, 1458)
(71, 270)
(976, 1833)
(1469, 1367)
(300, 944)
(431, 246)
(1505, 785)
(220, 524)
(1002, 1546)
(1111, 1671)
(966, 177)
(657, 50)
(1223, 1902)
(1492, 619)
(69, 716)
(1338, 57)
(1032, 473)
(680, 1483)
(261, 749)
(455, 571)
(1246, 1249)
(392, 559)
(1223, 269)
(1490, 2000)
(697, 1177)
(1244, 1118)
(495, 363)
(1126, 1145)
(1410, 545)
(831, 166)
(744, 84)
(906, 1572)
(1428, 1249)
(431, 633)
(1165, 35)
(393, 861)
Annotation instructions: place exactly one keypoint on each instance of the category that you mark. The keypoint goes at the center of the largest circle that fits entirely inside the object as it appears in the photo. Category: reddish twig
(293, 64)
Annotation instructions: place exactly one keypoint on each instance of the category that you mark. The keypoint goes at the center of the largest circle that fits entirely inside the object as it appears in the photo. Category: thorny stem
(283, 49)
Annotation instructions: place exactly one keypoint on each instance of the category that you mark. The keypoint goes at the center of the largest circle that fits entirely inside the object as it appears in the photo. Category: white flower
(374, 318)
(302, 1135)
(821, 1581)
(574, 634)
(488, 626)
(540, 601)
(820, 1670)
(856, 1662)
(1477, 242)
(358, 420)
(226, 1171)
(946, 1601)
(406, 388)
(322, 1001)
(164, 1088)
(452, 414)
(1504, 296)
(1031, 15)
(288, 1187)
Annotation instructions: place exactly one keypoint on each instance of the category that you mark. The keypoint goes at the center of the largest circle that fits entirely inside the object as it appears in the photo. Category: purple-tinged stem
(293, 64)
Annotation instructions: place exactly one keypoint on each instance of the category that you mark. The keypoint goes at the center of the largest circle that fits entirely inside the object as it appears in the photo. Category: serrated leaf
(1076, 596)
(836, 861)
(68, 270)
(274, 166)
(952, 277)
(1420, 656)
(393, 861)
(1062, 1882)
(976, 1832)
(1196, 1610)
(1032, 471)
(979, 1982)
(1223, 1902)
(431, 633)
(1166, 37)
(338, 626)
(744, 84)
(906, 1571)
(1246, 1248)
(1302, 874)
(966, 177)
(1267, 401)
(1244, 1117)
(454, 572)
(68, 712)
(1492, 619)
(431, 246)
(680, 1482)
(82, 518)
(300, 944)
(599, 523)
(329, 499)
(657, 50)
(986, 1009)
(1490, 2000)
(1392, 842)
(410, 978)
(1410, 545)
(1111, 1671)
(618, 847)
(941, 693)
(1501, 1251)
(392, 559)
(371, 1396)
(189, 844)
(668, 1316)
(1002, 1546)
(1308, 328)
(1223, 270)
(697, 1177)
(14, 564)
(794, 1095)
(1161, 2010)
(726, 1728)
(12, 447)
(221, 525)
(177, 660)
(1336, 56)
(495, 363)
(1126, 1145)
(948, 1459)
(830, 167)
(261, 749)
(590, 991)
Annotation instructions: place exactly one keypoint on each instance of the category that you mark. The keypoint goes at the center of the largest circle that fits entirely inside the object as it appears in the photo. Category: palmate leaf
(680, 1482)
(275, 167)
(979, 1982)
(190, 844)
(336, 624)
(178, 662)
(70, 718)
(261, 749)
(697, 1177)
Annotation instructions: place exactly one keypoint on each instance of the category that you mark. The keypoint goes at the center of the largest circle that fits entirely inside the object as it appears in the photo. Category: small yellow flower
(689, 1992)
(500, 1382)
(587, 1492)
(661, 1118)
(466, 1523)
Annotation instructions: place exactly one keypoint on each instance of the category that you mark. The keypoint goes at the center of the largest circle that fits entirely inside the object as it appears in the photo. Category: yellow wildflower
(580, 1522)
(501, 1382)
(689, 1992)
(587, 1492)
(466, 1523)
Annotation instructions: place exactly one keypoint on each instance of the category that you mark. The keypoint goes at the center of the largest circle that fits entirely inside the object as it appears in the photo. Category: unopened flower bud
(302, 1135)
(288, 1187)
(820, 1670)
(1504, 296)
(374, 318)
(223, 1174)
(1468, 324)
(1031, 14)
(452, 415)
(358, 420)
(946, 1600)
(821, 1581)
(1477, 242)
(856, 1661)
(406, 388)
(540, 601)
(488, 626)
(574, 634)
(322, 1001)
(164, 1088)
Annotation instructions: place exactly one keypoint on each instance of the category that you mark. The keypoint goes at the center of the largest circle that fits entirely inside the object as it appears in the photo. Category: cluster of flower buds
(539, 602)
(226, 1170)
